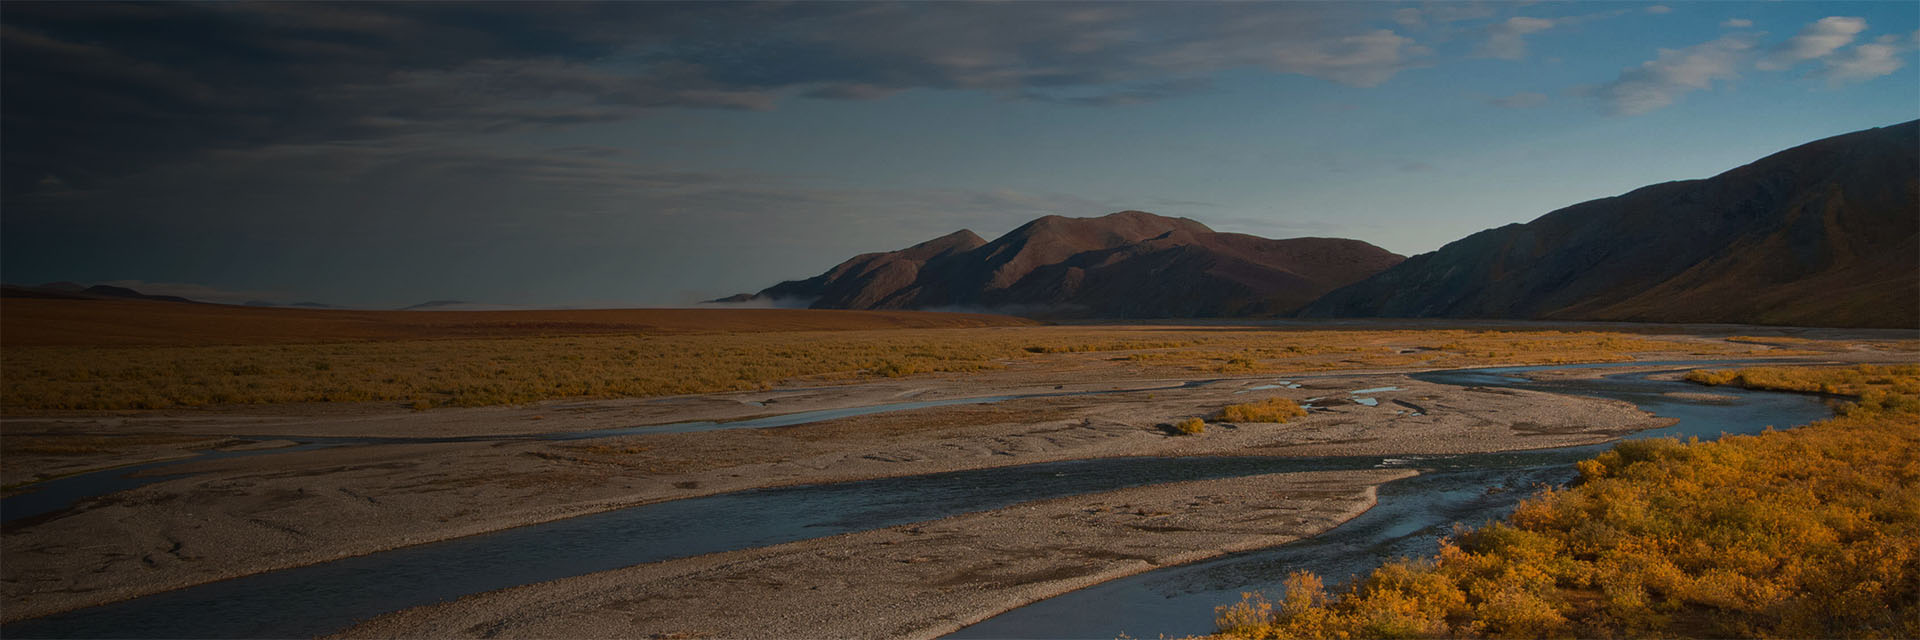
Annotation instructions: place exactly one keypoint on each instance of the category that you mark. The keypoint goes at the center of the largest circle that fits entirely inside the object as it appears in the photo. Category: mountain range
(1824, 234)
(1130, 264)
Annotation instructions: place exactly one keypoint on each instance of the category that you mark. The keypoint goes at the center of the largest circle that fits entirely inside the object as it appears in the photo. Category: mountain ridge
(1129, 264)
(1825, 233)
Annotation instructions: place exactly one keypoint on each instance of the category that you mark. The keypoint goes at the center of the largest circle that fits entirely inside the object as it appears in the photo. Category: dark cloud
(101, 90)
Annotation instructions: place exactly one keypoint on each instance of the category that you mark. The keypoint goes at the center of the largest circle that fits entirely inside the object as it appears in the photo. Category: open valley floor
(891, 537)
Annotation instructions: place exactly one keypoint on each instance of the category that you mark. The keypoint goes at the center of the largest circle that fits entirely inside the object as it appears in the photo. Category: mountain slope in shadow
(1824, 234)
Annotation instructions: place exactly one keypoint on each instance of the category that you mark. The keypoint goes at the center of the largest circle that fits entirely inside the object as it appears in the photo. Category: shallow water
(327, 597)
(62, 493)
(1408, 521)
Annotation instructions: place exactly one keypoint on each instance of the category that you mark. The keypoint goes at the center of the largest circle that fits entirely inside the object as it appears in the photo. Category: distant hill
(74, 291)
(1130, 264)
(1824, 234)
(108, 291)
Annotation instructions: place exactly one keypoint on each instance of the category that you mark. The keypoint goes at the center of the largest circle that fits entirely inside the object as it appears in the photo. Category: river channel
(1411, 515)
(1409, 520)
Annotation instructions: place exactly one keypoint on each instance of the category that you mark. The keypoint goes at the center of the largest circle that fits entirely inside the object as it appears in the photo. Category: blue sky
(654, 153)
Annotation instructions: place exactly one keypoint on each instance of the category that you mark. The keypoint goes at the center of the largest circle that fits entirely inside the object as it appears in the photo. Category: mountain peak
(1119, 226)
(962, 240)
(1123, 264)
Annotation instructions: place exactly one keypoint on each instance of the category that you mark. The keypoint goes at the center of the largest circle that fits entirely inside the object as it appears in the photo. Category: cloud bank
(1661, 82)
(96, 91)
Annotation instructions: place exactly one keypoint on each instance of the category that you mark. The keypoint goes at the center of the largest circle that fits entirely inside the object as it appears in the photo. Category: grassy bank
(1812, 532)
(1894, 387)
(475, 372)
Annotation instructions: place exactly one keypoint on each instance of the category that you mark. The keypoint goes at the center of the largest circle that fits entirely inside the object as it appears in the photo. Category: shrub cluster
(1811, 532)
(1190, 426)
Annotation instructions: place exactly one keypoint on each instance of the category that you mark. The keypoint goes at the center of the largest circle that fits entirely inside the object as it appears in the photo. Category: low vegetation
(1811, 532)
(1190, 426)
(80, 323)
(1871, 385)
(1268, 410)
(431, 373)
(530, 367)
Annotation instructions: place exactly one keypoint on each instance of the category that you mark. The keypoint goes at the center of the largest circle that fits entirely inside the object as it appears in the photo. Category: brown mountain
(1824, 234)
(1129, 264)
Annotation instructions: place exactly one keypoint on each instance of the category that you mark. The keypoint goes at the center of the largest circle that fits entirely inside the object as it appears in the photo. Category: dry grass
(1861, 380)
(430, 373)
(494, 371)
(1268, 410)
(40, 322)
(1812, 532)
(1191, 426)
(1248, 351)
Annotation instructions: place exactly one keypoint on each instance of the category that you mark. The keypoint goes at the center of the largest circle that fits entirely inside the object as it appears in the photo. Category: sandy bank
(913, 581)
(246, 515)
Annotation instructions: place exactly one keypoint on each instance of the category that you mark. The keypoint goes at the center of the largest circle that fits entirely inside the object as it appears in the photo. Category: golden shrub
(1810, 532)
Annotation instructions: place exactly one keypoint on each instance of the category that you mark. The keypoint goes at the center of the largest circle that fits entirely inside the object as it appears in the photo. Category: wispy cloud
(1736, 23)
(1507, 39)
(1660, 82)
(1865, 62)
(1814, 41)
(1442, 13)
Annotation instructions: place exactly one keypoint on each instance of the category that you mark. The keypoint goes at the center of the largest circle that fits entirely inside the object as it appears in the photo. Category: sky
(654, 154)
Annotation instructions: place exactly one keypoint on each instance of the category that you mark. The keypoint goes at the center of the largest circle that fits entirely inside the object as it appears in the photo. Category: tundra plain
(450, 430)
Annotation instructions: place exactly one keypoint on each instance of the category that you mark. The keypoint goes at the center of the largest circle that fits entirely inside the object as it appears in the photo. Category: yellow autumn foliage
(1810, 532)
(477, 371)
